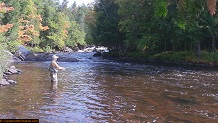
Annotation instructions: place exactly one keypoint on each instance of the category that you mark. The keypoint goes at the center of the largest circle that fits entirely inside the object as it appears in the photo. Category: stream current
(95, 90)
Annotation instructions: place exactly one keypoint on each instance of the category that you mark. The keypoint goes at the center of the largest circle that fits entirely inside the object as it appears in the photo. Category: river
(99, 90)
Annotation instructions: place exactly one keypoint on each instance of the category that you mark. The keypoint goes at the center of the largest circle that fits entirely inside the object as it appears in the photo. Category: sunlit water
(97, 90)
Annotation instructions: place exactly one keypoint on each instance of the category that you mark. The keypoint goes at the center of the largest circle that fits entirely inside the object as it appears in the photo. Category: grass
(207, 58)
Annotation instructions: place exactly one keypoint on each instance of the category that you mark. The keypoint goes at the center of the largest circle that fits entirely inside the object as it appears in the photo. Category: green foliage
(35, 49)
(181, 24)
(161, 8)
(162, 25)
(106, 30)
(47, 49)
(139, 56)
(136, 21)
(75, 35)
(215, 56)
(148, 43)
(210, 57)
(5, 59)
(145, 26)
(56, 16)
(12, 46)
(58, 30)
(170, 56)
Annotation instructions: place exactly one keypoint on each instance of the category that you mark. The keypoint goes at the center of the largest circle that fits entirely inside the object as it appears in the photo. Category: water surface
(98, 90)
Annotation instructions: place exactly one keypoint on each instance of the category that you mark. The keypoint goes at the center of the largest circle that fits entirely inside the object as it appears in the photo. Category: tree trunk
(185, 47)
(213, 44)
(199, 49)
(165, 46)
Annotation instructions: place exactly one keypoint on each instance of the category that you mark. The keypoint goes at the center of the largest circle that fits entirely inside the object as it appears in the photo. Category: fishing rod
(104, 9)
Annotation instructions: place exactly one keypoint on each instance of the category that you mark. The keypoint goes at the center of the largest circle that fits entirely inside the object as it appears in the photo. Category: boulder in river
(97, 54)
(67, 59)
(11, 81)
(67, 49)
(4, 82)
(43, 57)
(22, 52)
(48, 57)
(30, 57)
(10, 71)
(13, 70)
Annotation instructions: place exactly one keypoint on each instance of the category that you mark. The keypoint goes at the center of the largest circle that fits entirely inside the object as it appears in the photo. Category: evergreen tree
(106, 31)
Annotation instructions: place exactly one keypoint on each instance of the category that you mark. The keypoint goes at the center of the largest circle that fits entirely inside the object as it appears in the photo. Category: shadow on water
(99, 90)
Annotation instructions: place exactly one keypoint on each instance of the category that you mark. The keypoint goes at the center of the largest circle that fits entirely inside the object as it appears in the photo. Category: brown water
(98, 90)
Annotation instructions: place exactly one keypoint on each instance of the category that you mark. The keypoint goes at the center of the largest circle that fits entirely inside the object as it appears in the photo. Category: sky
(79, 2)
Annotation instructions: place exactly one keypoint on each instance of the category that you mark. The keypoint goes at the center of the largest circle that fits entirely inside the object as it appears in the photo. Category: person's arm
(57, 66)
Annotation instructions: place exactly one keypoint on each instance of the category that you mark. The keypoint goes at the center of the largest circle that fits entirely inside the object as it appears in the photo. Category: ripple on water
(106, 91)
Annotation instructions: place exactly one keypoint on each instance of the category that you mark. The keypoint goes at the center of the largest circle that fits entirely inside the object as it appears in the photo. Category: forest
(171, 30)
(167, 30)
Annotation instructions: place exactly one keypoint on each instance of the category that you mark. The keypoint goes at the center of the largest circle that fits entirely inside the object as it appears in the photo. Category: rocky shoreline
(5, 81)
(23, 54)
(156, 61)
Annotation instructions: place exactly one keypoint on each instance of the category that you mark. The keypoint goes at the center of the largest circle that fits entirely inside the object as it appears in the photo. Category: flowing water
(96, 90)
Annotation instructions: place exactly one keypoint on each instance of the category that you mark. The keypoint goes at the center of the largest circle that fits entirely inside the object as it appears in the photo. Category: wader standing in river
(53, 68)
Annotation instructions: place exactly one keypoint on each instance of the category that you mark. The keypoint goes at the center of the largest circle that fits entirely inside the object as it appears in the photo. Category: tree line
(152, 26)
(41, 26)
(44, 25)
(156, 26)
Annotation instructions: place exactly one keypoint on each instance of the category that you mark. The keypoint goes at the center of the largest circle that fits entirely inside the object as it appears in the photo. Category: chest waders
(53, 73)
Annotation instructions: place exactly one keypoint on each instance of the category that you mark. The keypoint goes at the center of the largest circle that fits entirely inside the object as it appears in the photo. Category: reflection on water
(98, 90)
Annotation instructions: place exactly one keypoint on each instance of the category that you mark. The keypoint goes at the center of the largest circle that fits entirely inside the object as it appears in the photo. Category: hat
(54, 57)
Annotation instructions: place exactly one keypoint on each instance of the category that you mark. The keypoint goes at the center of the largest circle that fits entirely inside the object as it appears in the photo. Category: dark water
(100, 91)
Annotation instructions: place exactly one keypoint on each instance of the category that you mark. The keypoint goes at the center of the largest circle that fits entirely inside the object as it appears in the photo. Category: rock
(22, 52)
(4, 82)
(30, 57)
(12, 82)
(16, 59)
(101, 49)
(67, 49)
(48, 57)
(42, 57)
(13, 70)
(9, 55)
(5, 76)
(76, 49)
(7, 73)
(89, 49)
(12, 58)
(67, 59)
(97, 54)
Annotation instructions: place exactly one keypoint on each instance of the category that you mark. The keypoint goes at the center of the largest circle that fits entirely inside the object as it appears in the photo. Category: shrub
(5, 59)
(47, 49)
(207, 56)
(183, 56)
(35, 49)
(13, 45)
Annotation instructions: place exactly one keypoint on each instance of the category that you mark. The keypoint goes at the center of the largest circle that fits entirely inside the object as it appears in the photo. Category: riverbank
(169, 57)
(4, 81)
(24, 54)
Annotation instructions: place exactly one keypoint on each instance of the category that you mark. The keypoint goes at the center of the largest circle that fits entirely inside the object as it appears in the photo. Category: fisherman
(53, 68)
